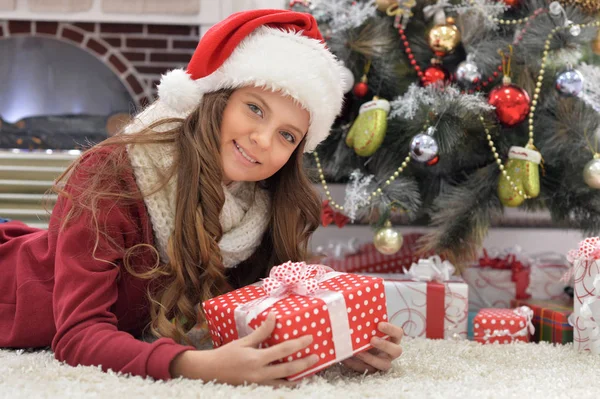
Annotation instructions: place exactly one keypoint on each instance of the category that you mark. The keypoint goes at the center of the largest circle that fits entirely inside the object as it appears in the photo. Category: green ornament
(523, 169)
(368, 130)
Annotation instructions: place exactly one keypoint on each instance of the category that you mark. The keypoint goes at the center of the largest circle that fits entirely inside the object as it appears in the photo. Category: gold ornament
(522, 178)
(368, 130)
(596, 43)
(443, 39)
(591, 172)
(388, 240)
(589, 6)
(383, 5)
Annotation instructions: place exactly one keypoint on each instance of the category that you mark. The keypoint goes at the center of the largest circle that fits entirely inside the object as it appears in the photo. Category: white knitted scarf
(244, 217)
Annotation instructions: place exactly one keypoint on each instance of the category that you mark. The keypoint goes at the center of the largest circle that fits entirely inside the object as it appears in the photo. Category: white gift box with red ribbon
(427, 301)
(546, 280)
(586, 278)
(341, 311)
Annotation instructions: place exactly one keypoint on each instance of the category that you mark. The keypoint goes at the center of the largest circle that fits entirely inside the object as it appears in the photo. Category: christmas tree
(458, 109)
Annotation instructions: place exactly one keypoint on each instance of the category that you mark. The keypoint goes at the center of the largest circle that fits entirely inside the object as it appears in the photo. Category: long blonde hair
(179, 285)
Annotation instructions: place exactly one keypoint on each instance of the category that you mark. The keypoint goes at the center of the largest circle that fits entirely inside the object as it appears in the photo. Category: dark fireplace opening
(54, 95)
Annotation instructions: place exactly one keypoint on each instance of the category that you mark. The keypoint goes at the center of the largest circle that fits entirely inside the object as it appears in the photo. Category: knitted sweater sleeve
(86, 287)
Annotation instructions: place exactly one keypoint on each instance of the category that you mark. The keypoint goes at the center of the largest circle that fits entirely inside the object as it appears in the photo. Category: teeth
(245, 155)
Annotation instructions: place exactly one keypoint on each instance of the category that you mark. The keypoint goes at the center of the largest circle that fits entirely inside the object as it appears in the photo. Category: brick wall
(137, 53)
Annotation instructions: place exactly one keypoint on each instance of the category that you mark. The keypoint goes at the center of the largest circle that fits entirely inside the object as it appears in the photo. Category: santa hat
(277, 49)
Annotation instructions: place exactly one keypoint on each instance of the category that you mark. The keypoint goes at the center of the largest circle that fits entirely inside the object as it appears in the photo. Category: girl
(202, 193)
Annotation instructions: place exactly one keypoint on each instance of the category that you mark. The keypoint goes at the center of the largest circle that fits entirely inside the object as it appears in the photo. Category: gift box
(366, 259)
(470, 319)
(496, 280)
(341, 311)
(546, 276)
(503, 325)
(550, 319)
(427, 301)
(586, 312)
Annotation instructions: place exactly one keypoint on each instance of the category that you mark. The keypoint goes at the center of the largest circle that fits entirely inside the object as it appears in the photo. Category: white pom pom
(177, 90)
(347, 79)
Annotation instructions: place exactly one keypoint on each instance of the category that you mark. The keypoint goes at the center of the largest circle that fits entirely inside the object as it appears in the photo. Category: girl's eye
(255, 109)
(289, 137)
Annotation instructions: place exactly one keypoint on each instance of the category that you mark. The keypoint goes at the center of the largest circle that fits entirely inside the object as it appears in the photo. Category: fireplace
(70, 84)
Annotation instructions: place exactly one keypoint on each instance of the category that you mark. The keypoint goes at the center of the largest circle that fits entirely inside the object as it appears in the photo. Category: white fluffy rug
(427, 369)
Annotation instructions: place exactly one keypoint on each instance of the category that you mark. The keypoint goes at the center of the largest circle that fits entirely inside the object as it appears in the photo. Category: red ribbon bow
(509, 262)
(328, 216)
(294, 277)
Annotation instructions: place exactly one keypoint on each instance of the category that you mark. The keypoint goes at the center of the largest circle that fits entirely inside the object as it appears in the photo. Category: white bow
(526, 312)
(431, 269)
(437, 12)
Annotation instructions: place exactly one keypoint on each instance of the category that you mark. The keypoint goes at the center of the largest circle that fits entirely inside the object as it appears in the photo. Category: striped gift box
(550, 318)
(369, 260)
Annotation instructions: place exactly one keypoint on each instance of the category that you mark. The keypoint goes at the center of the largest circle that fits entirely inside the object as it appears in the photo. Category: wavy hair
(194, 272)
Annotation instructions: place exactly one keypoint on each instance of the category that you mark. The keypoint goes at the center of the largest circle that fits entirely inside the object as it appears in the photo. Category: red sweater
(53, 291)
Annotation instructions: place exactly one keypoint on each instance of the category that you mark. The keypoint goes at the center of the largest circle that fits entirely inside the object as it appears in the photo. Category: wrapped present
(496, 280)
(340, 310)
(550, 319)
(503, 325)
(470, 319)
(427, 301)
(546, 276)
(586, 278)
(366, 259)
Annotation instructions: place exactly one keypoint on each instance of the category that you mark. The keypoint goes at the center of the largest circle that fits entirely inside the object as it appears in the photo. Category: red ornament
(512, 3)
(511, 102)
(433, 161)
(433, 74)
(360, 89)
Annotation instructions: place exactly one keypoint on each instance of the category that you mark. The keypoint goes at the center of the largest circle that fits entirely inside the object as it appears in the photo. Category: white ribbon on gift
(587, 253)
(431, 269)
(587, 317)
(336, 305)
(437, 11)
(524, 311)
(339, 249)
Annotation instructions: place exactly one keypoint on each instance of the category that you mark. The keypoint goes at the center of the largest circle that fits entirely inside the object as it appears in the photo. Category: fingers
(380, 363)
(396, 333)
(391, 349)
(287, 348)
(286, 369)
(356, 364)
(261, 333)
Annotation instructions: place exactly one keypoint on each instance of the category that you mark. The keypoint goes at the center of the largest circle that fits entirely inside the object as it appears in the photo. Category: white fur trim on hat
(298, 66)
(524, 154)
(375, 104)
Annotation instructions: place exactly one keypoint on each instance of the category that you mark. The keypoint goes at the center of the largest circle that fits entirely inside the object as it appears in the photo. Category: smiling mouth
(241, 150)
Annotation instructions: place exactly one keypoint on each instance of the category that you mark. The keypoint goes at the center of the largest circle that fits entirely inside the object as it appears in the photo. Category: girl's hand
(241, 361)
(383, 353)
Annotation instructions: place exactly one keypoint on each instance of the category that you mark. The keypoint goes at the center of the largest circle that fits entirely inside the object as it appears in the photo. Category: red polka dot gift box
(503, 325)
(341, 311)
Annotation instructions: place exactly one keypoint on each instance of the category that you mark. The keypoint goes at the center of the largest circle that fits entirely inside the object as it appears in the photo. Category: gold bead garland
(375, 193)
(532, 108)
(503, 21)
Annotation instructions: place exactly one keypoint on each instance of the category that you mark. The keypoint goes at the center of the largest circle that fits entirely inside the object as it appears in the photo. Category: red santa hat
(279, 50)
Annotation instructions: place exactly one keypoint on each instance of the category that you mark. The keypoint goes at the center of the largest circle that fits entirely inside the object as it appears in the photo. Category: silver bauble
(468, 73)
(424, 147)
(569, 82)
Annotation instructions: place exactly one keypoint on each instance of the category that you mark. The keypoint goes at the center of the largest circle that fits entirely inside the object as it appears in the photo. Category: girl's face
(259, 132)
